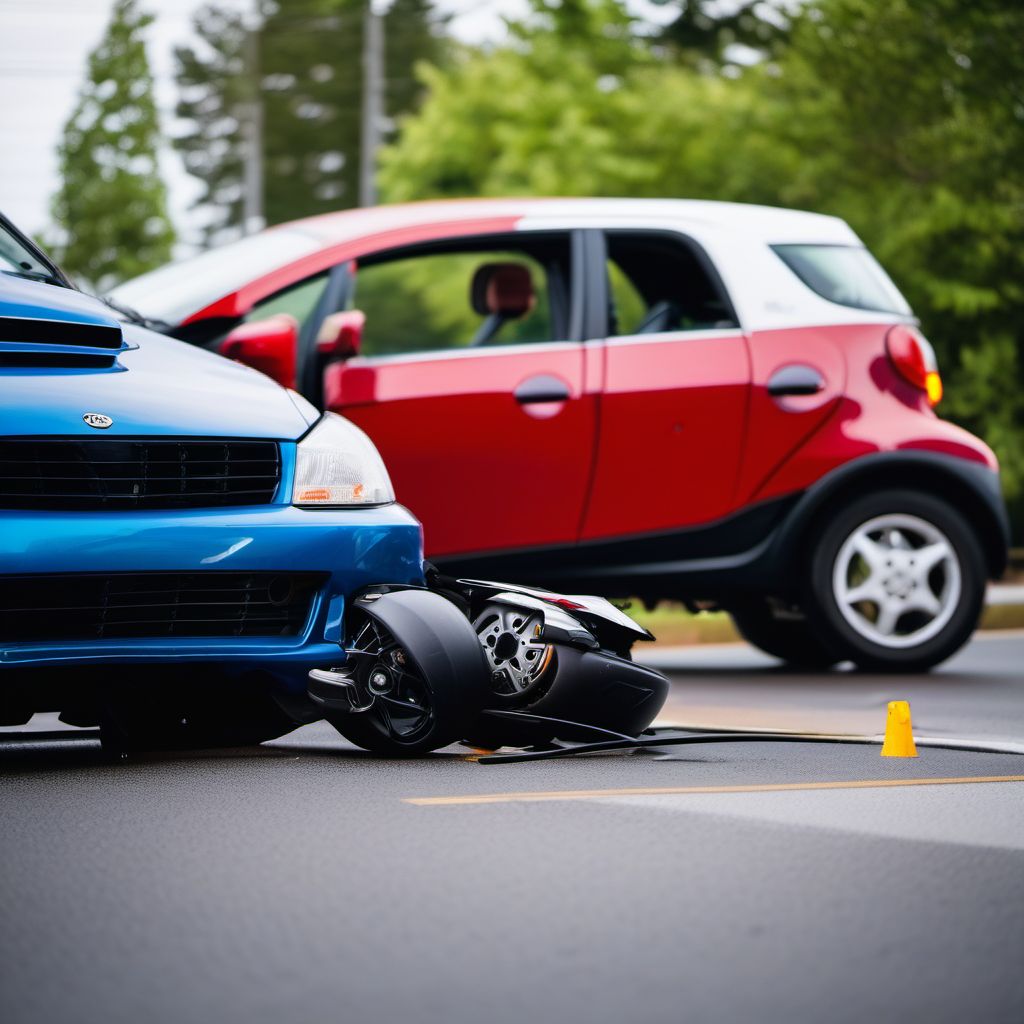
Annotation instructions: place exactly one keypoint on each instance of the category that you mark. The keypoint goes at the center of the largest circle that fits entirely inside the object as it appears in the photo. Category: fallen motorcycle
(488, 663)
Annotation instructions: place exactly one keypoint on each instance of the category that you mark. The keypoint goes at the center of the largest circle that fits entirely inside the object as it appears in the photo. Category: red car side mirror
(341, 335)
(270, 346)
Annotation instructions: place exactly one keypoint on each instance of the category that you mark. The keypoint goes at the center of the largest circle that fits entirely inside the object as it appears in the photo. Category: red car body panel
(673, 420)
(656, 435)
(871, 410)
(463, 452)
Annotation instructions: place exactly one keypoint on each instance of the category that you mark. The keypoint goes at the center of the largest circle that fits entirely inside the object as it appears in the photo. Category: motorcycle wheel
(417, 661)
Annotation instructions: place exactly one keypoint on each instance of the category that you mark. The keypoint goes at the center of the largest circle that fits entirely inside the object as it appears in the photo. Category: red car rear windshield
(846, 274)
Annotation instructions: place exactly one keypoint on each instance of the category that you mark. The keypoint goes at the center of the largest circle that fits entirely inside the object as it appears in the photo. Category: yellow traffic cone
(899, 736)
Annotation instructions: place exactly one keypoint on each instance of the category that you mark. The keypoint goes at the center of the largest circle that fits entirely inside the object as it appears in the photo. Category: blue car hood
(160, 386)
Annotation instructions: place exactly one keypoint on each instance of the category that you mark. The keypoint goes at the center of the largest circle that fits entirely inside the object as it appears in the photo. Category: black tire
(442, 661)
(359, 730)
(822, 604)
(793, 641)
(133, 719)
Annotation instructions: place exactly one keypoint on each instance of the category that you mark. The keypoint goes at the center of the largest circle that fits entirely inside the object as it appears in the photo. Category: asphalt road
(305, 881)
(979, 693)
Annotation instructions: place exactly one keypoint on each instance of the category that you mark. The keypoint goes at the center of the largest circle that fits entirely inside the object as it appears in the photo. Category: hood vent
(33, 342)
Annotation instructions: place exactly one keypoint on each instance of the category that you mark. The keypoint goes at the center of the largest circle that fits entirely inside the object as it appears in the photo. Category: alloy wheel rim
(400, 702)
(517, 657)
(897, 580)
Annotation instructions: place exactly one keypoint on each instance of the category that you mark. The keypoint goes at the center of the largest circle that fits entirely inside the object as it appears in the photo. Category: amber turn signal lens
(315, 494)
(913, 358)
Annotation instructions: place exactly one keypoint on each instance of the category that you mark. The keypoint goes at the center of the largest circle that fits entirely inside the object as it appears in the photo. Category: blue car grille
(155, 604)
(110, 473)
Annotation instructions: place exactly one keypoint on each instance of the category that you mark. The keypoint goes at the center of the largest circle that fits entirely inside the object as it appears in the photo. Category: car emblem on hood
(97, 420)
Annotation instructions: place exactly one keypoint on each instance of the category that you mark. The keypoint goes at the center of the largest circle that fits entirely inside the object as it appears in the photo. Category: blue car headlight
(338, 465)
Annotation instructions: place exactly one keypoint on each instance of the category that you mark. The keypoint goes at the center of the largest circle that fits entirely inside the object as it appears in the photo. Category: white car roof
(772, 225)
(769, 224)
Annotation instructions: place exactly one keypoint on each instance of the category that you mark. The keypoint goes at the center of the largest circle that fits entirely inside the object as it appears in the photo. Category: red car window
(658, 283)
(457, 295)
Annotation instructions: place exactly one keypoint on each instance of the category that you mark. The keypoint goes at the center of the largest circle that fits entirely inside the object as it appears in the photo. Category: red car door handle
(795, 380)
(542, 388)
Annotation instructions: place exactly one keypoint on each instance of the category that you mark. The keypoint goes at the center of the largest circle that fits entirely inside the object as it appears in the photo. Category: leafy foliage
(703, 30)
(111, 208)
(587, 111)
(913, 112)
(214, 89)
(303, 63)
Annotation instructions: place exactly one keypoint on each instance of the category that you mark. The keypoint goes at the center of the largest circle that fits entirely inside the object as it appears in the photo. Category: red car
(726, 404)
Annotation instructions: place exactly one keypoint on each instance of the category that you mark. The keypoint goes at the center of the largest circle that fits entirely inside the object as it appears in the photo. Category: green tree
(213, 91)
(703, 30)
(578, 103)
(305, 59)
(111, 208)
(910, 114)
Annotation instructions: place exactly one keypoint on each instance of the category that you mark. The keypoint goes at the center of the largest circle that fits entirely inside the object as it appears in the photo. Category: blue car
(193, 556)
(179, 535)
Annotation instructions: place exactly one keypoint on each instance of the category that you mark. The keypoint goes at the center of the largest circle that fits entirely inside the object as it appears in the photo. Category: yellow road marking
(780, 787)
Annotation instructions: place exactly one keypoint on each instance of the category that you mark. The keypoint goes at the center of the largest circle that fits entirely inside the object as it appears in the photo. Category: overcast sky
(44, 45)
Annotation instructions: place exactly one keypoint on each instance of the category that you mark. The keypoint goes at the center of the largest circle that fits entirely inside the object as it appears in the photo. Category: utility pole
(373, 103)
(252, 183)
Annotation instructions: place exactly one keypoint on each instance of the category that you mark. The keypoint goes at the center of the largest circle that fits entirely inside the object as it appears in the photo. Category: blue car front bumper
(350, 548)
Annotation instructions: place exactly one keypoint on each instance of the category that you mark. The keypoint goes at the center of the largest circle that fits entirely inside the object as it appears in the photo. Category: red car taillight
(914, 359)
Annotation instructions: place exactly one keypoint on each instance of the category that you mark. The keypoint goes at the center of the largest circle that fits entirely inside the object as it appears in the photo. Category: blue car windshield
(20, 258)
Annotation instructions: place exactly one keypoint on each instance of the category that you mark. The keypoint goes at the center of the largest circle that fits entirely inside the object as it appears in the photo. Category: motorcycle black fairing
(526, 667)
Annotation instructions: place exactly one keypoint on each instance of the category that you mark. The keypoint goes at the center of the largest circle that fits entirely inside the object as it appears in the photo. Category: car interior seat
(500, 292)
